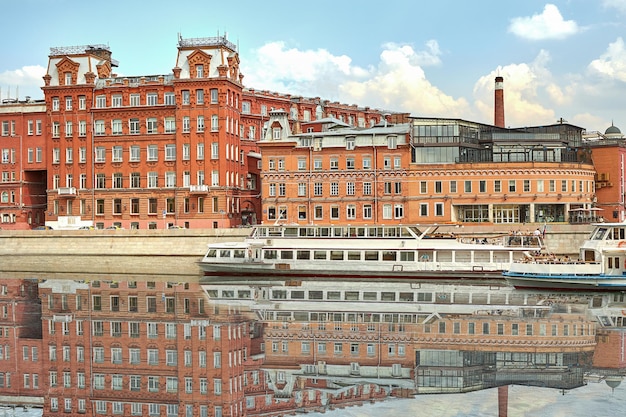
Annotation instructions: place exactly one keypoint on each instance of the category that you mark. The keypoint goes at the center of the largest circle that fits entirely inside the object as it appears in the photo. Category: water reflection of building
(417, 338)
(21, 344)
(138, 347)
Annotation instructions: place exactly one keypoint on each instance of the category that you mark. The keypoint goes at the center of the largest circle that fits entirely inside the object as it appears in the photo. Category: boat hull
(567, 282)
(273, 271)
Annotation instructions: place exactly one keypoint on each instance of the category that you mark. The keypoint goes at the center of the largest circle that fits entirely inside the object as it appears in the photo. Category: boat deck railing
(514, 241)
(388, 232)
(366, 232)
(554, 261)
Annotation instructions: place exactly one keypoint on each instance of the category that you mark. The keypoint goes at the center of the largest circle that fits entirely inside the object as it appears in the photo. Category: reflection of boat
(413, 336)
(601, 264)
(365, 252)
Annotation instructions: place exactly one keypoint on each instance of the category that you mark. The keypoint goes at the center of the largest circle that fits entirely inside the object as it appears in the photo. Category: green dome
(613, 130)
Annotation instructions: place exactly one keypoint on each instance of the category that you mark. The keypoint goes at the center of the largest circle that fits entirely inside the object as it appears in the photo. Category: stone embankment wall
(171, 253)
(143, 252)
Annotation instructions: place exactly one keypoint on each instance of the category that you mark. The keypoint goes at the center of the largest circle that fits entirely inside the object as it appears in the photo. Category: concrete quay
(168, 254)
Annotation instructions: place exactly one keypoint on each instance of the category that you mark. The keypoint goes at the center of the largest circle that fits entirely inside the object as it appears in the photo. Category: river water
(595, 399)
(591, 400)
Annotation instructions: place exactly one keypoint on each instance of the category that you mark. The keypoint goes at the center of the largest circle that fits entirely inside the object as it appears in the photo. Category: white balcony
(70, 191)
(199, 189)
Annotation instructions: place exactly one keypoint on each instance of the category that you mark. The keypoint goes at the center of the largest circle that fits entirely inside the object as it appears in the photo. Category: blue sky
(565, 58)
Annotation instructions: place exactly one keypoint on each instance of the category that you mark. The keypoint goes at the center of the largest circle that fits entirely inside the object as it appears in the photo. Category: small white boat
(400, 251)
(601, 265)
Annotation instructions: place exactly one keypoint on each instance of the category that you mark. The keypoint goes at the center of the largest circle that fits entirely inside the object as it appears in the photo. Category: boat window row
(477, 297)
(348, 255)
(425, 297)
(402, 296)
(338, 231)
(405, 296)
(231, 293)
(306, 317)
(355, 295)
(427, 255)
(465, 325)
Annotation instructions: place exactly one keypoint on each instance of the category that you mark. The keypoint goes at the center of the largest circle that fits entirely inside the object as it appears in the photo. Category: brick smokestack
(503, 401)
(498, 114)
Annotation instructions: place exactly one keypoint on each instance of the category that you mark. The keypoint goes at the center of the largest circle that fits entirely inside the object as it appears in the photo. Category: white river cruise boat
(601, 265)
(400, 252)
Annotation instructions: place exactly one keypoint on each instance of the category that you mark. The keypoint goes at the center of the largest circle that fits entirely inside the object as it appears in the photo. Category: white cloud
(620, 5)
(396, 83)
(589, 121)
(28, 79)
(428, 57)
(274, 67)
(547, 25)
(612, 63)
(399, 83)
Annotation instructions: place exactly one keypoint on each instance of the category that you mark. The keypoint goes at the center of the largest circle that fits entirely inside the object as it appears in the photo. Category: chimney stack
(503, 401)
(499, 102)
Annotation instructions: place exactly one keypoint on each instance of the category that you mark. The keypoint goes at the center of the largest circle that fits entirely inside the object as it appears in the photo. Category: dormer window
(199, 71)
(350, 143)
(68, 78)
(276, 132)
(392, 142)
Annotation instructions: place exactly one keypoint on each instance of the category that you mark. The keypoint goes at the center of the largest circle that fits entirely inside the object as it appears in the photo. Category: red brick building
(423, 170)
(609, 153)
(184, 148)
(23, 164)
(157, 150)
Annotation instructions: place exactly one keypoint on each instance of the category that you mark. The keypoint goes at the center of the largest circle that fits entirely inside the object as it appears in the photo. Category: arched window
(5, 197)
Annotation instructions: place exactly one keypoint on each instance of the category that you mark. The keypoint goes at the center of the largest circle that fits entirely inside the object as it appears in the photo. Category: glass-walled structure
(450, 371)
(469, 172)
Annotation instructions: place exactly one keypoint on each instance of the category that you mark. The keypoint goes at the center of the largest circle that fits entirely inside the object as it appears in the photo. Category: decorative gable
(67, 66)
(233, 64)
(197, 58)
(104, 69)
